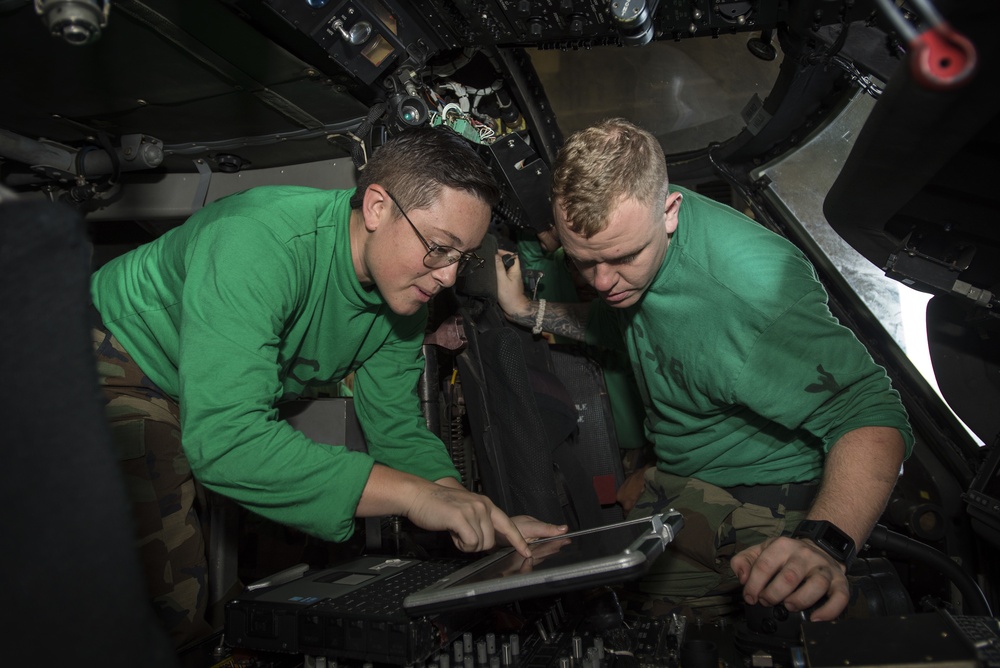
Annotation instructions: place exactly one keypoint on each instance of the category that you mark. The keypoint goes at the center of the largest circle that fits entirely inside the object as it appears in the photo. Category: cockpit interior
(866, 132)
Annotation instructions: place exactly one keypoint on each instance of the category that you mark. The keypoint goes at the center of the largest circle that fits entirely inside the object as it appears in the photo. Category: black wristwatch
(829, 538)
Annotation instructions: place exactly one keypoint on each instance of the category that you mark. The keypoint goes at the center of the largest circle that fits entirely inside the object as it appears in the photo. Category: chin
(631, 300)
(404, 306)
(624, 304)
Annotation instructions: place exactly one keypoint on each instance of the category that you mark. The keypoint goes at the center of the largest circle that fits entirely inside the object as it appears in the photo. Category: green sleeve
(389, 410)
(808, 371)
(241, 284)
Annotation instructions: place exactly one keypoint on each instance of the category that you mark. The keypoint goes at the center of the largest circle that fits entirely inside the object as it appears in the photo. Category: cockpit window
(688, 93)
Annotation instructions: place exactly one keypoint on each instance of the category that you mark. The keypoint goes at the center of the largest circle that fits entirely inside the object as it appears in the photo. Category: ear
(671, 209)
(559, 217)
(375, 207)
(549, 239)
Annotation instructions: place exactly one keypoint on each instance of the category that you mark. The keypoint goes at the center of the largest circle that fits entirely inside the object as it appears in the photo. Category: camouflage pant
(145, 429)
(693, 576)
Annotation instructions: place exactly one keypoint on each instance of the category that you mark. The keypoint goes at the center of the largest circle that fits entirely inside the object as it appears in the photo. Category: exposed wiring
(359, 149)
(832, 56)
(854, 74)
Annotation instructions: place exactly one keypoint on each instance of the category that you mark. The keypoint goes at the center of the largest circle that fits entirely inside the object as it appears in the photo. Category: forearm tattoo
(564, 319)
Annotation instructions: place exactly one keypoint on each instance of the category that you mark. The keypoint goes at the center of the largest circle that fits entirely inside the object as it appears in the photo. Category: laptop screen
(605, 555)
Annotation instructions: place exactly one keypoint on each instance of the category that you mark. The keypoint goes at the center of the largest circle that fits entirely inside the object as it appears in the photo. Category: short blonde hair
(601, 166)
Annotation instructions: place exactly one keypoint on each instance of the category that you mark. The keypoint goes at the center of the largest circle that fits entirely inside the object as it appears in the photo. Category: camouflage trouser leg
(694, 576)
(145, 429)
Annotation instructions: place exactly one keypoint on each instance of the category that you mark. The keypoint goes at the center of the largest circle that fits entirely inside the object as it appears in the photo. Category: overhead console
(213, 87)
(582, 23)
(367, 36)
(364, 37)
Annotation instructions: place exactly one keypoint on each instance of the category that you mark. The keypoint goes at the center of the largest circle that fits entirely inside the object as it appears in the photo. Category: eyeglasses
(438, 257)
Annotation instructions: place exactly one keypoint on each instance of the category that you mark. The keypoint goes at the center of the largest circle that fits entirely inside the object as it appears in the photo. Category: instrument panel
(367, 37)
(589, 630)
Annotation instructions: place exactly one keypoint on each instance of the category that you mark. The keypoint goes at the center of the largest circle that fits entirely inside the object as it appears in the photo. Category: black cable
(83, 191)
(116, 165)
(358, 151)
(973, 599)
(81, 160)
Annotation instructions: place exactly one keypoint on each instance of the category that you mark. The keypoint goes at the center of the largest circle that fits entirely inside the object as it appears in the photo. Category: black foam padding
(72, 585)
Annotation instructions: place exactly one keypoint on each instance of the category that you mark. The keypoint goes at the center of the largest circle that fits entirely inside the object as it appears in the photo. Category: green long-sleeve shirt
(249, 303)
(746, 376)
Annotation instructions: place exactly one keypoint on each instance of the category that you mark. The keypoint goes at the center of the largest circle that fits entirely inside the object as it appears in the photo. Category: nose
(446, 275)
(603, 277)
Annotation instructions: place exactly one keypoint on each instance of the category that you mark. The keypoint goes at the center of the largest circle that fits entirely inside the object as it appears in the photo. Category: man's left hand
(633, 487)
(794, 572)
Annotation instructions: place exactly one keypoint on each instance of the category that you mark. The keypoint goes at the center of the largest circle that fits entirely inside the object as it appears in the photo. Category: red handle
(942, 58)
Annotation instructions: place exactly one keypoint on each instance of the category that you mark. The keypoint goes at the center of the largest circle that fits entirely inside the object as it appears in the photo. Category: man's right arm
(564, 319)
(473, 520)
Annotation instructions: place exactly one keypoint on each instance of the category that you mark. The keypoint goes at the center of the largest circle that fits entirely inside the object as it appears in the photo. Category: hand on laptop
(474, 521)
(533, 529)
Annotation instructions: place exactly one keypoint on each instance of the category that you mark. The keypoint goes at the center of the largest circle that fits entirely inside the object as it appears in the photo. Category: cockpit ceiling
(154, 74)
(273, 79)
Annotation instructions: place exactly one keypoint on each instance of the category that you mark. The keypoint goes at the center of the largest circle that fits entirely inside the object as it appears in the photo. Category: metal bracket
(204, 180)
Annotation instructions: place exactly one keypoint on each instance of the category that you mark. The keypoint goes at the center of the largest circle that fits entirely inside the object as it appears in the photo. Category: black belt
(793, 496)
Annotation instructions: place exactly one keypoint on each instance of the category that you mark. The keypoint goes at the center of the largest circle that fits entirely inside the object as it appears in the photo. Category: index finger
(505, 526)
(767, 563)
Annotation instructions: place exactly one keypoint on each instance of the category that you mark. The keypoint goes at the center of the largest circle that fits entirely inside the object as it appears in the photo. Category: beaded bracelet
(537, 329)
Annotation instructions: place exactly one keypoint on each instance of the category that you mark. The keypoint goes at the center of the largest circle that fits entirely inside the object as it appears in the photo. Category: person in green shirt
(762, 409)
(259, 297)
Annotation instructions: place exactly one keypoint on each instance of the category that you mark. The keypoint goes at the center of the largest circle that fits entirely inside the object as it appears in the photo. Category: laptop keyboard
(386, 596)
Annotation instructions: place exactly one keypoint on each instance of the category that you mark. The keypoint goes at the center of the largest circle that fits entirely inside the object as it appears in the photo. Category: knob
(535, 28)
(357, 35)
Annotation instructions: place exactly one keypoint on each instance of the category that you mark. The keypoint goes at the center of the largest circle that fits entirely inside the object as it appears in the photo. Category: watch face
(837, 542)
(829, 538)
